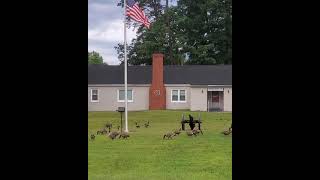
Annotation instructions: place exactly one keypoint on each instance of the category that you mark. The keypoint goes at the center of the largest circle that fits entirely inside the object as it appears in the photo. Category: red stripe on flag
(139, 11)
(131, 14)
(137, 14)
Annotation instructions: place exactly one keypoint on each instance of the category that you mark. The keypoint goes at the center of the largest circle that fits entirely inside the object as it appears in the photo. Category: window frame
(118, 95)
(92, 95)
(179, 101)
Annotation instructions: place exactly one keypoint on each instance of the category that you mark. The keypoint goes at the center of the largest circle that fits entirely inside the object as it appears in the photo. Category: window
(178, 96)
(121, 95)
(94, 95)
(182, 95)
(175, 95)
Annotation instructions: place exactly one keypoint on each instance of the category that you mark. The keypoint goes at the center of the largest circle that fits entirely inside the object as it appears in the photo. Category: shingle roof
(187, 74)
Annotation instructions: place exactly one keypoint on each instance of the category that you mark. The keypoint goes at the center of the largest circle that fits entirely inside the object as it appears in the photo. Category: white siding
(227, 99)
(177, 105)
(198, 99)
(108, 99)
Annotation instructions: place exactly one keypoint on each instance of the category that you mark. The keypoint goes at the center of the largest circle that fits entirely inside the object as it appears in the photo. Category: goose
(113, 134)
(168, 135)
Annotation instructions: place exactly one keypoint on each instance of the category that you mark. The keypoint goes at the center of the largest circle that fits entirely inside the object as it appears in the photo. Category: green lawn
(145, 156)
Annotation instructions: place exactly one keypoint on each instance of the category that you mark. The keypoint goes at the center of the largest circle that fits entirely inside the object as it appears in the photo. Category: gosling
(169, 135)
(227, 132)
(190, 133)
(109, 126)
(92, 137)
(197, 131)
(113, 135)
(102, 131)
(99, 132)
(124, 135)
(177, 132)
(146, 124)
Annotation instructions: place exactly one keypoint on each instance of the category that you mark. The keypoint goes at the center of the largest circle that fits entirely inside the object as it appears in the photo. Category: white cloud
(108, 53)
(105, 29)
(103, 40)
(110, 32)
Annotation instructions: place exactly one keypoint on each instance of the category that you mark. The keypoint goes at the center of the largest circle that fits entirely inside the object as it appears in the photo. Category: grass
(145, 156)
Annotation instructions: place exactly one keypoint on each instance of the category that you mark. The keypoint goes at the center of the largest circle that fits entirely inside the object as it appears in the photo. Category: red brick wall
(157, 93)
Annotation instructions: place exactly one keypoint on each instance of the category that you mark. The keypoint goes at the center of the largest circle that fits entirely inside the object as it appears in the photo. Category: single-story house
(193, 87)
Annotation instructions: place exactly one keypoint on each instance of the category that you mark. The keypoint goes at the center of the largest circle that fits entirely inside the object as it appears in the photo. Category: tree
(154, 40)
(120, 51)
(193, 32)
(207, 31)
(95, 58)
(158, 39)
(138, 51)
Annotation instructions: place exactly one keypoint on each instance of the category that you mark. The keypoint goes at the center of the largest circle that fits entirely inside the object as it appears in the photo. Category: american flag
(136, 13)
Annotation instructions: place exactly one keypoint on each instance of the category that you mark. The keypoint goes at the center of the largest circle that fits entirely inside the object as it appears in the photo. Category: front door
(214, 101)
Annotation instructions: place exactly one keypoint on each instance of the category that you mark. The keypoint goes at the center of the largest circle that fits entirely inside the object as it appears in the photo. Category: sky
(105, 28)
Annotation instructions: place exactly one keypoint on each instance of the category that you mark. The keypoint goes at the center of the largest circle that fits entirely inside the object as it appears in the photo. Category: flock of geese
(114, 134)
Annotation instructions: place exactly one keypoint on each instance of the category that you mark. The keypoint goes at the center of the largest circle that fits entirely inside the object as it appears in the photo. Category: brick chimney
(157, 93)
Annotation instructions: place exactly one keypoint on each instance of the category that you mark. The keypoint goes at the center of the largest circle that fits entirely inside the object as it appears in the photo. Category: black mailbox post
(121, 110)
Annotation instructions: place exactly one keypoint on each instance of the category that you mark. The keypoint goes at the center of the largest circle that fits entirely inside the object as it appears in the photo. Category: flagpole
(125, 67)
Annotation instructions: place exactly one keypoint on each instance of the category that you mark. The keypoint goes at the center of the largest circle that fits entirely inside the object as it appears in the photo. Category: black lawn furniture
(192, 123)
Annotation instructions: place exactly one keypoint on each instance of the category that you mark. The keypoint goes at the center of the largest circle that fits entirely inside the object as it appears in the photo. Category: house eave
(118, 85)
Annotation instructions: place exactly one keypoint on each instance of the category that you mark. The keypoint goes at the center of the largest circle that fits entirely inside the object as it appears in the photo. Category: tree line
(95, 58)
(192, 32)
